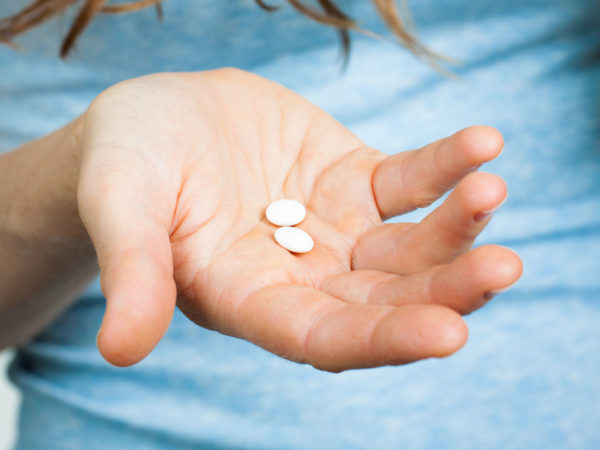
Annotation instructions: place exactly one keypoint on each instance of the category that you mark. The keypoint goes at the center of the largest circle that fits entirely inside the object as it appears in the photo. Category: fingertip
(479, 143)
(140, 294)
(130, 333)
(438, 332)
(482, 192)
(500, 266)
(118, 351)
(509, 269)
(450, 335)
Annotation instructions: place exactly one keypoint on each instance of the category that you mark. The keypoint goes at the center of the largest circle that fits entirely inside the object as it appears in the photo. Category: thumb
(129, 227)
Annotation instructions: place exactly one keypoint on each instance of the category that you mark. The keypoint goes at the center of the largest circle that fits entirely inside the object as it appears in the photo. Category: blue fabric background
(529, 376)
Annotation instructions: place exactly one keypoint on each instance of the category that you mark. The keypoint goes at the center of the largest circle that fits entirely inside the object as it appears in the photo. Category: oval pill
(285, 212)
(294, 239)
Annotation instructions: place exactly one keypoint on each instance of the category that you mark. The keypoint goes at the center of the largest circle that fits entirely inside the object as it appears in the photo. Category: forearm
(46, 256)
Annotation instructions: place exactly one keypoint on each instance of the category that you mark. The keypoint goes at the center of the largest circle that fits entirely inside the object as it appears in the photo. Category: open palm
(177, 172)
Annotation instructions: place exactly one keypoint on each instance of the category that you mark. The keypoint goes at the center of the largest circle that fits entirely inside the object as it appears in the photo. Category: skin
(173, 173)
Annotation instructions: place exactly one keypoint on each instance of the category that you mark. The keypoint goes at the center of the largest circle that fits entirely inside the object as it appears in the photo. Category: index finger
(416, 178)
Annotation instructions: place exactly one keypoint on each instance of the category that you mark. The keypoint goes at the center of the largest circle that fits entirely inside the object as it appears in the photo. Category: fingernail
(489, 295)
(474, 168)
(98, 336)
(481, 216)
(500, 291)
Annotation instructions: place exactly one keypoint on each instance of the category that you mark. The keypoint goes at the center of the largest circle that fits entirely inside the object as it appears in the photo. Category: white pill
(286, 212)
(294, 239)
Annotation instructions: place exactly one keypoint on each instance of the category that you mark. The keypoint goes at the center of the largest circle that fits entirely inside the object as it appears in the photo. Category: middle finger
(443, 235)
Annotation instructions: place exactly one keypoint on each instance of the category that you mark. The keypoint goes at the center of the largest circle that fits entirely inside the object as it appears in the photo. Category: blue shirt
(529, 376)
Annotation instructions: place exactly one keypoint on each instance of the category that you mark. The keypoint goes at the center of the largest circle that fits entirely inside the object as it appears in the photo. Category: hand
(176, 174)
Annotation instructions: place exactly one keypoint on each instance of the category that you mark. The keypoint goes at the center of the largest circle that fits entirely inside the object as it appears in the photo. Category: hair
(396, 17)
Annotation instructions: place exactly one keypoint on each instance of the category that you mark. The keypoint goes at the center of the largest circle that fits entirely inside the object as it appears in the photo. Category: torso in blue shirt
(529, 376)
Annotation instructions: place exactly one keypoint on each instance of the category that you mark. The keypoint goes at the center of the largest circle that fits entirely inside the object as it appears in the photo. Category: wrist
(39, 191)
